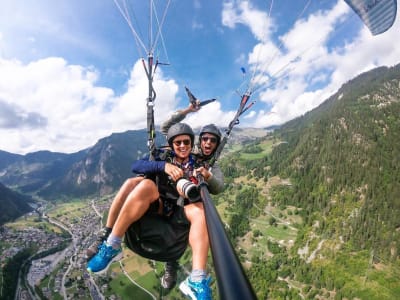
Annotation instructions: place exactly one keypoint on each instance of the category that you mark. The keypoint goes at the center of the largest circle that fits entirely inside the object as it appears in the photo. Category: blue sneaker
(196, 290)
(106, 255)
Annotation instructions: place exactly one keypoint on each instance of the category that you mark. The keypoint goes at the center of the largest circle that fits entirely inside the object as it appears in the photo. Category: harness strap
(180, 201)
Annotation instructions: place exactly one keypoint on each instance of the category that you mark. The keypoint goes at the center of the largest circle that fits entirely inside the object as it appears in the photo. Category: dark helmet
(211, 128)
(180, 129)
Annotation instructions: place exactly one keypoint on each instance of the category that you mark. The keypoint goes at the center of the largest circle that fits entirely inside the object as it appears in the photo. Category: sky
(71, 71)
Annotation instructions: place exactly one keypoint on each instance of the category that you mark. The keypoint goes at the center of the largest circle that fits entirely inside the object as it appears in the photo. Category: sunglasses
(206, 138)
(179, 142)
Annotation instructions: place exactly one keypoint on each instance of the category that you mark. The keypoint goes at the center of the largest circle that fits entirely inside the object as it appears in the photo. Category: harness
(167, 187)
(163, 237)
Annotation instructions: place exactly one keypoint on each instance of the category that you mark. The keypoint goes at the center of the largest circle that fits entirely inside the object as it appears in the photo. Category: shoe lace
(105, 251)
(201, 288)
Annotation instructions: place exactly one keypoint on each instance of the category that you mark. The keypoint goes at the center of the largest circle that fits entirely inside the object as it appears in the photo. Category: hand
(193, 107)
(173, 171)
(204, 172)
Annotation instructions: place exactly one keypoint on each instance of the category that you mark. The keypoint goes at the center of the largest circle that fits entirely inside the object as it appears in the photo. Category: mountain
(7, 158)
(13, 204)
(30, 173)
(104, 166)
(345, 154)
(331, 182)
(98, 170)
(350, 147)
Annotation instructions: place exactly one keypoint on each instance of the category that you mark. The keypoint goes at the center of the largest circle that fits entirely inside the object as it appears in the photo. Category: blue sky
(71, 74)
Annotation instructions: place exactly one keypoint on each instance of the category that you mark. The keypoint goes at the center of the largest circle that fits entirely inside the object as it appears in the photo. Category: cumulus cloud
(13, 116)
(49, 104)
(242, 12)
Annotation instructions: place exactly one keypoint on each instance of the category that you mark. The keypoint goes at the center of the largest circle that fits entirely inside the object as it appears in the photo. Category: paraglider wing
(378, 15)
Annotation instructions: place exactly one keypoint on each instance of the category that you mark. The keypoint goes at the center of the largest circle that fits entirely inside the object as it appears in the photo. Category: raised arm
(178, 116)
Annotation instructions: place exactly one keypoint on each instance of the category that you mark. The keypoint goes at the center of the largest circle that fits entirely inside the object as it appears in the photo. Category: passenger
(145, 192)
(209, 139)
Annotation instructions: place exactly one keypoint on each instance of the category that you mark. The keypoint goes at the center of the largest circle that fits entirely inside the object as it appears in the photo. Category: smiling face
(182, 147)
(208, 143)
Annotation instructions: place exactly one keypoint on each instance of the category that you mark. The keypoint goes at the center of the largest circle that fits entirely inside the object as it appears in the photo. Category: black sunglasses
(179, 142)
(206, 138)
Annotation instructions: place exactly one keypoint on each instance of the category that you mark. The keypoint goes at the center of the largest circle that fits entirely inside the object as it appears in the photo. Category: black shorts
(159, 237)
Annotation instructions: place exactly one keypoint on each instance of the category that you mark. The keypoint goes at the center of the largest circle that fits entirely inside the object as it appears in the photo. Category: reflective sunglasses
(179, 142)
(205, 139)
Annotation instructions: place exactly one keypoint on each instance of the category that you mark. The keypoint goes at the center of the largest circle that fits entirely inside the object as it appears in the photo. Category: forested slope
(338, 181)
(344, 160)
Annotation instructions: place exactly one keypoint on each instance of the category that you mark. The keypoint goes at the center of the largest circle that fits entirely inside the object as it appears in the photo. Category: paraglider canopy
(378, 15)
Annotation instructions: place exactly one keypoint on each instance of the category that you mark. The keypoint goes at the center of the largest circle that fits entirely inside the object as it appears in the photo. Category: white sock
(198, 275)
(114, 241)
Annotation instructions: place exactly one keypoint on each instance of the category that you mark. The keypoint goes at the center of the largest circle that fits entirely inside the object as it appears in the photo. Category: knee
(147, 189)
(128, 185)
(148, 185)
(195, 212)
(132, 182)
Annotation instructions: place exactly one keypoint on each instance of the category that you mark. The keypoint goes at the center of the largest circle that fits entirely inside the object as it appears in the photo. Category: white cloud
(59, 107)
(211, 113)
(244, 13)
